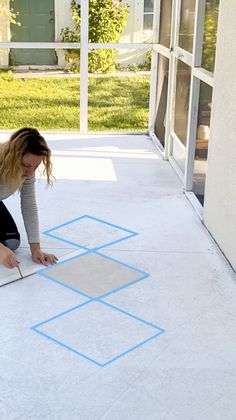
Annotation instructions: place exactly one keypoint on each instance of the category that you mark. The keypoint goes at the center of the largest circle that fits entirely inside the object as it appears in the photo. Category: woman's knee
(12, 243)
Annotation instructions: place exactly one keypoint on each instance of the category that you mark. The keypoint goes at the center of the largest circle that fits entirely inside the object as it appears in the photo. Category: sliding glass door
(185, 58)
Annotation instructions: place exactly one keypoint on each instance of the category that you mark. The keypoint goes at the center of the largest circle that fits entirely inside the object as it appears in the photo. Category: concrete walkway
(24, 73)
(159, 343)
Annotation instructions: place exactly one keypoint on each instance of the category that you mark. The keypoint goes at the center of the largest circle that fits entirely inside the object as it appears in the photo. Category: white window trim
(198, 74)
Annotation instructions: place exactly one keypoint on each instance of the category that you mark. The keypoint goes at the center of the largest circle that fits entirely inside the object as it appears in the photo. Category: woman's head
(21, 156)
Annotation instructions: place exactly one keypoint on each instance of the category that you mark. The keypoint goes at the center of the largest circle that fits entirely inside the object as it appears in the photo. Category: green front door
(37, 24)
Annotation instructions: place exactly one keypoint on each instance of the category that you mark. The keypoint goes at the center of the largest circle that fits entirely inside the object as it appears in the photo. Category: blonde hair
(25, 140)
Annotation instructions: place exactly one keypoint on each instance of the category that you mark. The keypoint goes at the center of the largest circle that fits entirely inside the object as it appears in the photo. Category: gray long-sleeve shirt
(28, 207)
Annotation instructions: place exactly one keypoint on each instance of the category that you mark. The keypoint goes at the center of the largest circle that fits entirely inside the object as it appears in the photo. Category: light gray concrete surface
(186, 373)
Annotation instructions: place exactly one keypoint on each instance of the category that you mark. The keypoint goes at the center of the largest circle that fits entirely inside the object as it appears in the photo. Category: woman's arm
(42, 257)
(30, 216)
(29, 210)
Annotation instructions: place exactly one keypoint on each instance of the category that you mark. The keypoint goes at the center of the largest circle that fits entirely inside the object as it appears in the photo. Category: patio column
(220, 192)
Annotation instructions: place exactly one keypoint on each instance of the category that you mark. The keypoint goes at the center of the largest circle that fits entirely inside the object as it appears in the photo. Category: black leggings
(9, 235)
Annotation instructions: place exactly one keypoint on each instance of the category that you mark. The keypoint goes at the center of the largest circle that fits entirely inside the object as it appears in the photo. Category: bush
(9, 14)
(107, 19)
(210, 36)
(6, 75)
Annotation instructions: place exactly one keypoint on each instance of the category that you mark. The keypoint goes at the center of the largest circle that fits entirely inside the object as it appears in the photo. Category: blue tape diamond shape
(90, 233)
(98, 331)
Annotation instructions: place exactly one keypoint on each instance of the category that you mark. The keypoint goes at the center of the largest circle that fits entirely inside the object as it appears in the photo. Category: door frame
(54, 2)
(198, 74)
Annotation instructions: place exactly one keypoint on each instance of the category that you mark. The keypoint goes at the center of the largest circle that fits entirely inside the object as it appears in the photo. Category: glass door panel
(182, 101)
(183, 77)
(202, 141)
(210, 34)
(161, 98)
(186, 30)
(165, 23)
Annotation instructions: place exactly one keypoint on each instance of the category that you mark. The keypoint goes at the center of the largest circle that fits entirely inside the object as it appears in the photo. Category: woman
(19, 158)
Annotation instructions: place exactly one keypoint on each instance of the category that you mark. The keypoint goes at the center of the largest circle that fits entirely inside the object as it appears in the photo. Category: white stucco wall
(62, 20)
(220, 191)
(133, 33)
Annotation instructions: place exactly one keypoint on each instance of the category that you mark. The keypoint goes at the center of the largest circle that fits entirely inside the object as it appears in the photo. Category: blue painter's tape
(67, 347)
(111, 224)
(45, 272)
(65, 240)
(122, 287)
(114, 242)
(65, 285)
(133, 348)
(152, 337)
(121, 262)
(62, 314)
(86, 216)
(50, 234)
(132, 316)
(66, 223)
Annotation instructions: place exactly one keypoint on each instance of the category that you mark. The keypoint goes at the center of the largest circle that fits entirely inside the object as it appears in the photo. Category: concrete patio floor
(159, 348)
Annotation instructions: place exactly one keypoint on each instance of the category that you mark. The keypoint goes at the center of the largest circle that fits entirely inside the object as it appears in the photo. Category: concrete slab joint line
(95, 276)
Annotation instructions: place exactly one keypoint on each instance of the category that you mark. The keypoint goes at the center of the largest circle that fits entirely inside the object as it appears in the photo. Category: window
(148, 15)
(210, 34)
(165, 22)
(186, 30)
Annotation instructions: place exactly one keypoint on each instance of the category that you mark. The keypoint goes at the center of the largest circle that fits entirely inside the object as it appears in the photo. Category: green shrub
(210, 36)
(107, 19)
(148, 61)
(6, 75)
(8, 14)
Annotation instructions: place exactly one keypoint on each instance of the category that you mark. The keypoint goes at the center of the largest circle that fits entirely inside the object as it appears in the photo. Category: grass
(115, 103)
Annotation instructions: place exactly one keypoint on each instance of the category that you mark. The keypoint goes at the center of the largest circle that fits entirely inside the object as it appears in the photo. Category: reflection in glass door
(160, 122)
(202, 141)
(186, 29)
(161, 98)
(180, 117)
(165, 23)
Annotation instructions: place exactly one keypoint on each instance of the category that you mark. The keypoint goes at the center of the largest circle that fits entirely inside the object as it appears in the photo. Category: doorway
(37, 24)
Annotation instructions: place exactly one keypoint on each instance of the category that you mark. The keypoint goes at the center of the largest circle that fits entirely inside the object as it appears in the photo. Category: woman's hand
(41, 257)
(7, 257)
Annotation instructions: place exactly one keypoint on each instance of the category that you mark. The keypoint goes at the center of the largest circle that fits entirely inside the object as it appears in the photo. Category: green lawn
(115, 103)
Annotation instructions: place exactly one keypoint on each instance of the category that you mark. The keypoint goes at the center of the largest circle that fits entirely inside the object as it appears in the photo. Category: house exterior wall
(62, 20)
(220, 191)
(4, 34)
(133, 32)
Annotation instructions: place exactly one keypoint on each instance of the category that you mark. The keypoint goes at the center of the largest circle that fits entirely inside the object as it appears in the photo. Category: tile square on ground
(93, 275)
(98, 331)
